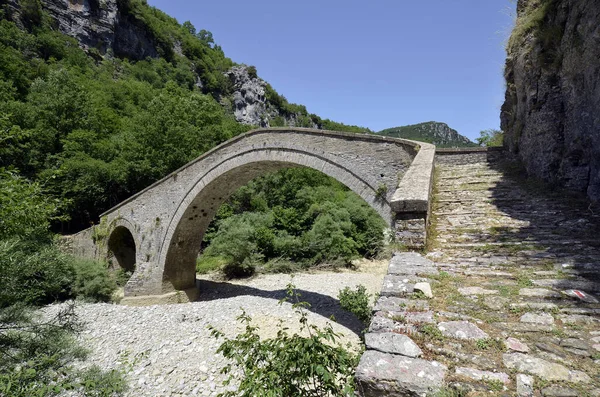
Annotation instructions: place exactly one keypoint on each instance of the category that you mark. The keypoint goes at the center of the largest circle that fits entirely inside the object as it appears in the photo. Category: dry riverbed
(167, 350)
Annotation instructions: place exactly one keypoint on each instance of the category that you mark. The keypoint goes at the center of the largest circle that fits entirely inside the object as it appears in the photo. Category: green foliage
(432, 332)
(490, 137)
(24, 210)
(427, 132)
(206, 264)
(36, 273)
(93, 281)
(33, 273)
(95, 133)
(490, 343)
(532, 19)
(357, 302)
(296, 215)
(313, 363)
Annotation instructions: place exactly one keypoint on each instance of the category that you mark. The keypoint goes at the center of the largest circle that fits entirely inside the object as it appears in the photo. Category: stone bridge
(157, 233)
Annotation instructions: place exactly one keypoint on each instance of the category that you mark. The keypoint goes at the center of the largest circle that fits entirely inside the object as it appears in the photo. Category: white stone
(524, 385)
(425, 288)
(542, 318)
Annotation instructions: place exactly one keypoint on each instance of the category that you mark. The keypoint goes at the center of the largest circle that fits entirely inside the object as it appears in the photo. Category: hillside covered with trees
(439, 134)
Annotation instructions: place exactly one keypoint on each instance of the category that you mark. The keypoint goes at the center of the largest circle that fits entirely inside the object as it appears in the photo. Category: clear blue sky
(378, 64)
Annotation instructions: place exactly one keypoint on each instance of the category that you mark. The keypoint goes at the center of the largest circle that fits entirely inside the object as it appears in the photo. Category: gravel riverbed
(167, 350)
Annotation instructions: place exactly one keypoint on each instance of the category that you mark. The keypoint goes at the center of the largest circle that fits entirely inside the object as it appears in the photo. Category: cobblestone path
(505, 256)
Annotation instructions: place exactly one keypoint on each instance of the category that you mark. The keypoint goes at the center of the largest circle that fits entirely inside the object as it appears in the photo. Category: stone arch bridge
(158, 231)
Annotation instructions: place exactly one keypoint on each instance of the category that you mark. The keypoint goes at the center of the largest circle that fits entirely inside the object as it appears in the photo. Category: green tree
(490, 137)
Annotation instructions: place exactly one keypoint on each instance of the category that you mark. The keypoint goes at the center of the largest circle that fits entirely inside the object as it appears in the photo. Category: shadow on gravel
(323, 305)
(559, 228)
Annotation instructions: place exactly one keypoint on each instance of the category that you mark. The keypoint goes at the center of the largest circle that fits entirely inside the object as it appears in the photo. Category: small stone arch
(122, 249)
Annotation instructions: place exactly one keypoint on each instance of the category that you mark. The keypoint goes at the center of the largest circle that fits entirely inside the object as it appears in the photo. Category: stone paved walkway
(504, 254)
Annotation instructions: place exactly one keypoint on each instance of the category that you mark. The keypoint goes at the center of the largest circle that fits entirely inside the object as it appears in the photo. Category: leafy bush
(289, 365)
(93, 281)
(294, 215)
(206, 264)
(33, 273)
(357, 302)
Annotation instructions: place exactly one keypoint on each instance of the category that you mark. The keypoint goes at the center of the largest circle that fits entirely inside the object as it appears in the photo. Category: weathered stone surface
(523, 327)
(386, 374)
(580, 295)
(411, 263)
(539, 292)
(476, 374)
(495, 302)
(461, 330)
(425, 288)
(533, 318)
(414, 190)
(551, 348)
(391, 342)
(542, 368)
(575, 343)
(396, 286)
(517, 345)
(524, 385)
(566, 284)
(578, 318)
(103, 26)
(395, 304)
(385, 324)
(408, 317)
(535, 305)
(549, 114)
(558, 391)
(477, 291)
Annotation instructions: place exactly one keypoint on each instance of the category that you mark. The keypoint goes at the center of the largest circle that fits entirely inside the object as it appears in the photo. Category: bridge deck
(503, 252)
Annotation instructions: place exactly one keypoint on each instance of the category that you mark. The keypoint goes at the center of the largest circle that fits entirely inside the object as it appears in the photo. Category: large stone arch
(195, 211)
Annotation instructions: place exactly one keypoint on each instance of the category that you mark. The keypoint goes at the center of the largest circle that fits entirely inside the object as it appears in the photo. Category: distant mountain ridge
(440, 134)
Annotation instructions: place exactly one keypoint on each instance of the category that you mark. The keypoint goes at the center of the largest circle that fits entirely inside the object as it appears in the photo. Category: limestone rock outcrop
(550, 115)
(100, 25)
(250, 104)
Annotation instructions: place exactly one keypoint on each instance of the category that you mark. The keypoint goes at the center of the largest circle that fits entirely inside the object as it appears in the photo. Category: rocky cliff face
(249, 102)
(250, 105)
(439, 134)
(551, 116)
(100, 25)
